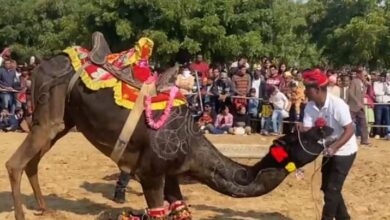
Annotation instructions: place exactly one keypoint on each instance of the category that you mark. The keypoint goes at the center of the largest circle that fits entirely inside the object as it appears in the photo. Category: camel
(157, 157)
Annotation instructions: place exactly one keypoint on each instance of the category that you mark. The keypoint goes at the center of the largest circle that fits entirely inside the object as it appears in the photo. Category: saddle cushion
(95, 77)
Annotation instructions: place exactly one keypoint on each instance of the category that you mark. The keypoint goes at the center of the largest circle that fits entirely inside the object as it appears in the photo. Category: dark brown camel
(155, 156)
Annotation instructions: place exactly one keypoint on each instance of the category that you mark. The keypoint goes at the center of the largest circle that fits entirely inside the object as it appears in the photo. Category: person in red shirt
(200, 66)
(275, 79)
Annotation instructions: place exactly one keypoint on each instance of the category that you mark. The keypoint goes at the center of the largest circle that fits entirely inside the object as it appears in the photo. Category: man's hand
(329, 151)
(300, 127)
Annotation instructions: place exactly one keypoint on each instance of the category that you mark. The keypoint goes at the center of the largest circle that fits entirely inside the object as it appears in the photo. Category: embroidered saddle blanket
(95, 77)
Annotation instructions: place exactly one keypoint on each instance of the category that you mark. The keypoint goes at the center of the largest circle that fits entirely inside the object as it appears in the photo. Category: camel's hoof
(45, 212)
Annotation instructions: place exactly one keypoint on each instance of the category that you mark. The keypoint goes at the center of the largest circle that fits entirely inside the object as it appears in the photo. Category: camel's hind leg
(30, 147)
(32, 171)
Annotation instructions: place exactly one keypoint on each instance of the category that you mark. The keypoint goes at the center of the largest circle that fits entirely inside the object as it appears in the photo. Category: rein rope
(316, 170)
(304, 148)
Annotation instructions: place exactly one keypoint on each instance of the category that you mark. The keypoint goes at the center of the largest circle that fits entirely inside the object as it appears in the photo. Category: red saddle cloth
(95, 77)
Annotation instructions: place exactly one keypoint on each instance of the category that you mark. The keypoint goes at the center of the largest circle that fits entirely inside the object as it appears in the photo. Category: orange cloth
(297, 97)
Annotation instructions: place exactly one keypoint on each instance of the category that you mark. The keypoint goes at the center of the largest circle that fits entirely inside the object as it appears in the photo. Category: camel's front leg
(153, 188)
(172, 191)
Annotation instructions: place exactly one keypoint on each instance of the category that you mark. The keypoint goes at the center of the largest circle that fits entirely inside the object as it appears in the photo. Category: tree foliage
(303, 34)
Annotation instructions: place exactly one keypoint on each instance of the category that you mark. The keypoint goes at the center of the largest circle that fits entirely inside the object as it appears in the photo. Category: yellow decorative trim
(290, 167)
(121, 101)
(87, 80)
(74, 57)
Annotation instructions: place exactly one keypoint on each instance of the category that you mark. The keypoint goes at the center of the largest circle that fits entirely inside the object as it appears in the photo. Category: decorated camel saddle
(124, 72)
(130, 77)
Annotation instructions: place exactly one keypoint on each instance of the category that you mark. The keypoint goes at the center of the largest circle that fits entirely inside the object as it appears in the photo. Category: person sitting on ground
(241, 122)
(205, 120)
(223, 122)
(4, 118)
(14, 121)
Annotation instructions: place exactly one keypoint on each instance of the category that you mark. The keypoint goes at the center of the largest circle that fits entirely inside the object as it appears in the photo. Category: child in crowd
(297, 99)
(253, 104)
(241, 122)
(266, 114)
(223, 122)
(205, 120)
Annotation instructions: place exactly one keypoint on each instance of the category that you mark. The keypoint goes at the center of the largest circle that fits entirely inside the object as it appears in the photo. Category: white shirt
(381, 91)
(279, 100)
(337, 115)
(256, 85)
(334, 90)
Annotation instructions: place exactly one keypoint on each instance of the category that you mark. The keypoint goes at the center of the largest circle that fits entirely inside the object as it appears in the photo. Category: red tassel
(320, 122)
(141, 73)
(278, 153)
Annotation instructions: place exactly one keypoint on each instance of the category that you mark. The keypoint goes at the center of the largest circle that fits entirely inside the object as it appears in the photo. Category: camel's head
(303, 147)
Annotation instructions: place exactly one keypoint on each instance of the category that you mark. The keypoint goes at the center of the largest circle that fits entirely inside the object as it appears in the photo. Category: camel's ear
(167, 79)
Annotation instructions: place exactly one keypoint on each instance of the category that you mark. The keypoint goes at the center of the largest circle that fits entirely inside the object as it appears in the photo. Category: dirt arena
(78, 182)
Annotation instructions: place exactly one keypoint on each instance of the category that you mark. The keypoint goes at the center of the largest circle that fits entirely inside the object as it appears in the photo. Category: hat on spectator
(315, 77)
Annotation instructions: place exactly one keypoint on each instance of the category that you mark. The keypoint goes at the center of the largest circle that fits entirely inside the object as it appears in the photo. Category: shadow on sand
(80, 206)
(104, 211)
(230, 214)
(107, 189)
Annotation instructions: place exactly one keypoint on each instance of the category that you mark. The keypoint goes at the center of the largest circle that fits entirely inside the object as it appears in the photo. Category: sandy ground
(78, 183)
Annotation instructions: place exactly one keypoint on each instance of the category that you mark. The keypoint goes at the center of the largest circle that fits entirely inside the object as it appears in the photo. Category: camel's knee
(56, 127)
(14, 170)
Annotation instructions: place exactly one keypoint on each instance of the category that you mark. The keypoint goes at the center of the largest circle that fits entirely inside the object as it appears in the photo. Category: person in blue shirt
(8, 81)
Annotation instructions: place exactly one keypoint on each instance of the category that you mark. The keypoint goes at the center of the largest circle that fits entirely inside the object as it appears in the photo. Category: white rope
(303, 147)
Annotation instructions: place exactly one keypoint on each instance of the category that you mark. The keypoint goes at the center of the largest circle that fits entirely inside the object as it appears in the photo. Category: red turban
(315, 77)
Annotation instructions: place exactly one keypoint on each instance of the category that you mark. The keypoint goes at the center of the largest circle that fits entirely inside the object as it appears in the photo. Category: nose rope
(303, 147)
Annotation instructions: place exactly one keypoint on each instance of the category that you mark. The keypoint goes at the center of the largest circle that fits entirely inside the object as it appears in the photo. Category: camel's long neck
(228, 177)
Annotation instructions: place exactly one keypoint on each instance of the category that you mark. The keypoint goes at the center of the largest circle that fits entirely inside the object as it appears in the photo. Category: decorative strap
(131, 123)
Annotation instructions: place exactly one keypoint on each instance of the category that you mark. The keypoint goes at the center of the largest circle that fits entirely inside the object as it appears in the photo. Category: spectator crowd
(266, 97)
(269, 97)
(15, 93)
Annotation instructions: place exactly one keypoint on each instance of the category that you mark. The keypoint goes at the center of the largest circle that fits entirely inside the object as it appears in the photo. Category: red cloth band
(315, 77)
